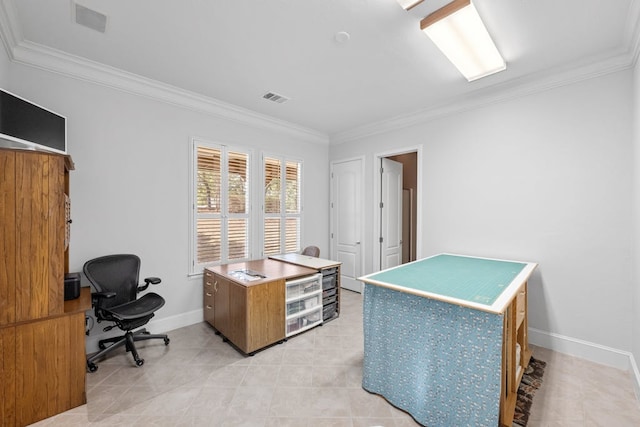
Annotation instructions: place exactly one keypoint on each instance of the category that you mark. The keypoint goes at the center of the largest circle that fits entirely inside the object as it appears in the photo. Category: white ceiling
(235, 51)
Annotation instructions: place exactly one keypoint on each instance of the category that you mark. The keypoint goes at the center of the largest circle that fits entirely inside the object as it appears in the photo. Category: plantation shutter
(281, 206)
(208, 205)
(238, 223)
(292, 218)
(222, 205)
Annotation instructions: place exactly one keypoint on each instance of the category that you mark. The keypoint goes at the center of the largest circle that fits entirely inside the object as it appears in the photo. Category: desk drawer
(208, 277)
(303, 304)
(297, 324)
(207, 306)
(303, 287)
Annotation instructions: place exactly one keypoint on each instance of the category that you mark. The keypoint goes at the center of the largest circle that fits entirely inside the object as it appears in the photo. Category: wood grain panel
(32, 277)
(221, 313)
(266, 310)
(42, 357)
(8, 376)
(7, 238)
(50, 367)
(238, 316)
(77, 362)
(56, 224)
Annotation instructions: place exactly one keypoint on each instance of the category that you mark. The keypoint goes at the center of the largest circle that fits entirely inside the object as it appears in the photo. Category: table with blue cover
(434, 337)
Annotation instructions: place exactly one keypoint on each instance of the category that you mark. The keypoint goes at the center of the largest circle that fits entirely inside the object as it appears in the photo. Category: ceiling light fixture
(409, 4)
(460, 34)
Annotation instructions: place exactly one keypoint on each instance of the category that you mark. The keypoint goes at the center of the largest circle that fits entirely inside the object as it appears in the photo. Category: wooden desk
(442, 337)
(250, 314)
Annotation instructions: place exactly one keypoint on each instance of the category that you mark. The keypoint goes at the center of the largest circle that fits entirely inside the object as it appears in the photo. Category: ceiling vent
(274, 97)
(90, 18)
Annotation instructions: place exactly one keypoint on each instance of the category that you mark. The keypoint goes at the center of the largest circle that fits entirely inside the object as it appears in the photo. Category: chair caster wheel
(167, 341)
(92, 367)
(139, 362)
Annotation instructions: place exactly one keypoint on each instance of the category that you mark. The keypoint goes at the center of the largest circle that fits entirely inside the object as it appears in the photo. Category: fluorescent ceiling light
(459, 33)
(408, 4)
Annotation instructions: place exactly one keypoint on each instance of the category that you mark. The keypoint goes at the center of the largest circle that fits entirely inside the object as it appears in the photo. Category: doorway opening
(397, 221)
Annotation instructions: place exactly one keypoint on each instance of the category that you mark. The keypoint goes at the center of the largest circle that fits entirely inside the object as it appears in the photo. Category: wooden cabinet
(250, 314)
(42, 364)
(515, 354)
(222, 306)
(32, 189)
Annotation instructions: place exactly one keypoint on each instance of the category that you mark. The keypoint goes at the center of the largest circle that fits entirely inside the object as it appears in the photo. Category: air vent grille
(90, 18)
(274, 97)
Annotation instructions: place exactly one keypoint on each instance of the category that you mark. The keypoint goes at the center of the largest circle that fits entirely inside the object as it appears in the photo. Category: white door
(390, 214)
(346, 220)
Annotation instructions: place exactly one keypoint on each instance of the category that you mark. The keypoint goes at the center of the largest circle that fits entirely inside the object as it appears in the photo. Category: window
(282, 207)
(221, 211)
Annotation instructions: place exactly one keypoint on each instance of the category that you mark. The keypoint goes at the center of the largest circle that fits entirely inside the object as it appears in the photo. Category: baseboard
(590, 351)
(583, 349)
(636, 376)
(156, 326)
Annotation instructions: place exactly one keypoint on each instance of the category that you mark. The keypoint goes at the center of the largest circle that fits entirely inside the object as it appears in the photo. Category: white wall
(130, 189)
(635, 325)
(543, 178)
(4, 68)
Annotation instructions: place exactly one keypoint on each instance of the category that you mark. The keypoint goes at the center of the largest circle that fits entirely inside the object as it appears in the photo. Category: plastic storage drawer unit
(304, 304)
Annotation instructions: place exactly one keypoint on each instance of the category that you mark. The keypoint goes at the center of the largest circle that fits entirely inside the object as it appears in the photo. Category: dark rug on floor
(531, 382)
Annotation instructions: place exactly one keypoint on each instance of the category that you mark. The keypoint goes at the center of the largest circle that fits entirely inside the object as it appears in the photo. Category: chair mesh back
(114, 273)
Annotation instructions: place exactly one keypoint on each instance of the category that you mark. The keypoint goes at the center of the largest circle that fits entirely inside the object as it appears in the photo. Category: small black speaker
(71, 286)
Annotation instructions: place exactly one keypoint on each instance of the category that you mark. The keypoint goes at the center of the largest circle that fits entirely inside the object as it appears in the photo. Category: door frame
(377, 185)
(363, 239)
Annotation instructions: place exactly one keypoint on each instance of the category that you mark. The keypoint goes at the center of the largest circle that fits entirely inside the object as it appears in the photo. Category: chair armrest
(147, 281)
(100, 295)
(96, 297)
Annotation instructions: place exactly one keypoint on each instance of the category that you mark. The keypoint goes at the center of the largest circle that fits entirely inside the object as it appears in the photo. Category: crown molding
(48, 59)
(55, 61)
(10, 31)
(632, 34)
(624, 58)
(513, 89)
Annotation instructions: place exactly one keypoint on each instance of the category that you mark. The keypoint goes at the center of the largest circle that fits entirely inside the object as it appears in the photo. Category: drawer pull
(209, 307)
(209, 294)
(215, 286)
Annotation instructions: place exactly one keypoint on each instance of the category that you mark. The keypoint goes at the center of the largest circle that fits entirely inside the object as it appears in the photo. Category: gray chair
(313, 251)
(115, 280)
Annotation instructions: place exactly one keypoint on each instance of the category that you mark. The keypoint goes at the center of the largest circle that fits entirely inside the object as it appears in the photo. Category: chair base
(128, 340)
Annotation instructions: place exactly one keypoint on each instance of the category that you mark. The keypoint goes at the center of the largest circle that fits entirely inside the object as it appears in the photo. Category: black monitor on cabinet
(26, 125)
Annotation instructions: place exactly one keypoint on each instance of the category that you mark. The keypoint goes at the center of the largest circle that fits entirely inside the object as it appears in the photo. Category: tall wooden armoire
(42, 347)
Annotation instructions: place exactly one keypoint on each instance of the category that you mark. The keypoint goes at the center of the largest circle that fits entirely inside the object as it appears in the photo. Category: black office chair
(313, 251)
(115, 280)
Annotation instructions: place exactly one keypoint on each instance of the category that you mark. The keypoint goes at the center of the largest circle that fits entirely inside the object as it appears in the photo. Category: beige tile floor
(313, 379)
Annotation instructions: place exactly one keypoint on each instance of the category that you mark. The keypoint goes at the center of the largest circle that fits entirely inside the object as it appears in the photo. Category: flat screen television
(26, 125)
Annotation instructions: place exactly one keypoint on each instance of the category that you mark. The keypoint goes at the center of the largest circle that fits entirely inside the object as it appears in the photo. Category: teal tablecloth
(440, 362)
